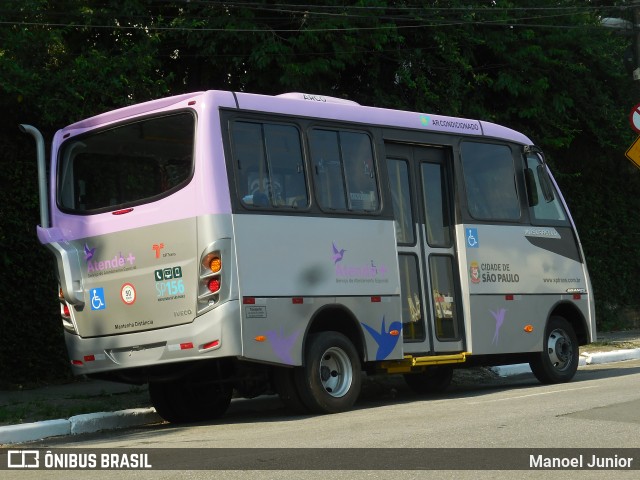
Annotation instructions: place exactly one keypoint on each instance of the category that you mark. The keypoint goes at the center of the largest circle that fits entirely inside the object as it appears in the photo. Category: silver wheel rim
(336, 372)
(560, 349)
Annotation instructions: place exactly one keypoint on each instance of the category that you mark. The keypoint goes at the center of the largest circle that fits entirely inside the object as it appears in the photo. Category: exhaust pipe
(67, 257)
(42, 173)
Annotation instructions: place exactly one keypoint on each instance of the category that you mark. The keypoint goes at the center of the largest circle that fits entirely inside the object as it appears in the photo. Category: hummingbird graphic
(282, 345)
(386, 342)
(337, 254)
(88, 252)
(499, 316)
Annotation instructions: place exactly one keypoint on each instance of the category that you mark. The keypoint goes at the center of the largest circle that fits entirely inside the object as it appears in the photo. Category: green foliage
(32, 347)
(543, 67)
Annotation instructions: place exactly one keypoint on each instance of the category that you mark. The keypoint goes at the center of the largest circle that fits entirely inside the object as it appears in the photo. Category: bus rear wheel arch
(558, 360)
(330, 379)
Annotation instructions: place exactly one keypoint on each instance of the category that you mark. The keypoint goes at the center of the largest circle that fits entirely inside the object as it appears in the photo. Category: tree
(545, 67)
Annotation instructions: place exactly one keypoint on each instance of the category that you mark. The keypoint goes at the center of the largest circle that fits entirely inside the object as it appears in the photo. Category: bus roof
(320, 106)
(307, 105)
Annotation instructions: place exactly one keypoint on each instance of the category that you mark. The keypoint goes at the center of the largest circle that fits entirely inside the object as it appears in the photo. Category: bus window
(153, 157)
(401, 196)
(412, 321)
(490, 181)
(544, 212)
(270, 166)
(436, 206)
(444, 301)
(345, 177)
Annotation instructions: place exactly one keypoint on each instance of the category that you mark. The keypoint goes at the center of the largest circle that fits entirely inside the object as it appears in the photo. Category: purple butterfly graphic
(282, 345)
(499, 316)
(337, 254)
(88, 252)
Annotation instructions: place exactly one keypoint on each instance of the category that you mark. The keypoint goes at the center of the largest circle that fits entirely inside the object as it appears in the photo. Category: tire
(558, 362)
(185, 402)
(433, 380)
(331, 378)
(285, 386)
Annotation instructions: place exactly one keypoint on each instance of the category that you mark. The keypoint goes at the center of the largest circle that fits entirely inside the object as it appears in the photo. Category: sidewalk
(116, 405)
(121, 406)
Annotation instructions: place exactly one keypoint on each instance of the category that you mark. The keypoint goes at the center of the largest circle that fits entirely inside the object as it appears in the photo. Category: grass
(26, 407)
(608, 346)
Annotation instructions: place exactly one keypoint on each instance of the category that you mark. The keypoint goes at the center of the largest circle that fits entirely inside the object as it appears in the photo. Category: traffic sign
(634, 118)
(633, 153)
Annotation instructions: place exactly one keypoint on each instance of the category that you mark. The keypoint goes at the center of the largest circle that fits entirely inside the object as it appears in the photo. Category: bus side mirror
(532, 191)
(545, 183)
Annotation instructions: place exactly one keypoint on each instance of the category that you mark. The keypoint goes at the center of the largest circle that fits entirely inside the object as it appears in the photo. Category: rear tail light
(65, 313)
(211, 279)
(215, 264)
(214, 285)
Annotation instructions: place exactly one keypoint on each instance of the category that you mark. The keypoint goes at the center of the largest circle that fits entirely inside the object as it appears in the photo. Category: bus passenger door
(420, 181)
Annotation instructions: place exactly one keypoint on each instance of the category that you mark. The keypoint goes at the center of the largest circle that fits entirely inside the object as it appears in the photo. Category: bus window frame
(60, 163)
(375, 157)
(415, 211)
(557, 198)
(447, 188)
(424, 307)
(233, 169)
(304, 124)
(463, 207)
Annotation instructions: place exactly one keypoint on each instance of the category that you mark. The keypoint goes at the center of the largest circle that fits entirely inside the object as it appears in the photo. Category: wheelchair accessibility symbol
(472, 237)
(97, 299)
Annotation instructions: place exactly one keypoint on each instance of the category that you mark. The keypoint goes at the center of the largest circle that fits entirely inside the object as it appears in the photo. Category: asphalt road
(600, 408)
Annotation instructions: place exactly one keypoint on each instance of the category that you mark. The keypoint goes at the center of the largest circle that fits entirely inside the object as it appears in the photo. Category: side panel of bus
(487, 287)
(514, 284)
(288, 267)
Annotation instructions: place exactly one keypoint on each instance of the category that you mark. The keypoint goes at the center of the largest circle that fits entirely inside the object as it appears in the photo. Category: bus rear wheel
(283, 379)
(186, 402)
(330, 380)
(432, 380)
(558, 362)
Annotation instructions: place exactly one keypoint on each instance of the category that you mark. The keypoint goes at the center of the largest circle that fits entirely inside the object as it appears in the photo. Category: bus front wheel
(558, 361)
(330, 380)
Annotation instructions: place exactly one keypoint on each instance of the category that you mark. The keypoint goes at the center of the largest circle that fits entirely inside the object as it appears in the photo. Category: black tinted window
(128, 164)
(269, 163)
(344, 173)
(490, 181)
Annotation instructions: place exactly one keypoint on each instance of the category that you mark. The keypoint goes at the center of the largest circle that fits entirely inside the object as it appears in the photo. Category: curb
(607, 357)
(87, 423)
(585, 359)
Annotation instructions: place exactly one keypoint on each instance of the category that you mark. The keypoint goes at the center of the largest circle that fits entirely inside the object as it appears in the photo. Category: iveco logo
(182, 313)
